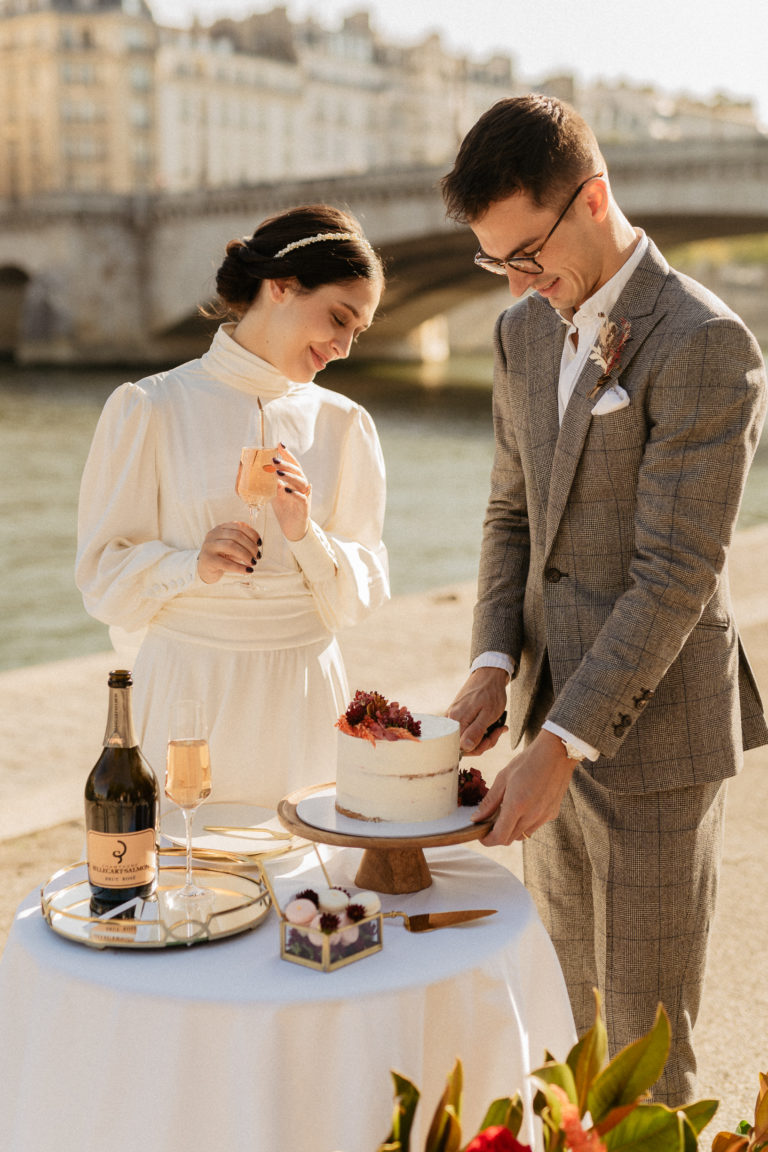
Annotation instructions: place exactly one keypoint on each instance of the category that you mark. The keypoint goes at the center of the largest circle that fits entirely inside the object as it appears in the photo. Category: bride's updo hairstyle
(300, 243)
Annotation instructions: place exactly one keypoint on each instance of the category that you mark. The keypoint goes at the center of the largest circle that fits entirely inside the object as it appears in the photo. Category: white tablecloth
(224, 1047)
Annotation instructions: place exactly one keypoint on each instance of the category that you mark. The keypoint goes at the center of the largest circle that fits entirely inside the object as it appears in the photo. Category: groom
(628, 401)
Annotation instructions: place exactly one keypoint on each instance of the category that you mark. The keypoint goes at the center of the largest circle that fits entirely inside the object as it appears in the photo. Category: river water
(435, 430)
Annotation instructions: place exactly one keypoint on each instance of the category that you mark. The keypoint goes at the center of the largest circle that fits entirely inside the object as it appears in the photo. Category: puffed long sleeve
(124, 570)
(344, 561)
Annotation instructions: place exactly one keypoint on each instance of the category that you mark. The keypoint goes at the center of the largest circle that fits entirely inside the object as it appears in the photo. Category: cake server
(426, 921)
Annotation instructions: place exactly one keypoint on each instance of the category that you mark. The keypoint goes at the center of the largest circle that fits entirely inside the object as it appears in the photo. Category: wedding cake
(395, 766)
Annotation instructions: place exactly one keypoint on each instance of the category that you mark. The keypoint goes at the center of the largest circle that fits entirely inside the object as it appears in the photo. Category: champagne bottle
(121, 795)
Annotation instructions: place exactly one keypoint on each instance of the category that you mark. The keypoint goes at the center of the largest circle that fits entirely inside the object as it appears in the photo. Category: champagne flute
(255, 486)
(188, 775)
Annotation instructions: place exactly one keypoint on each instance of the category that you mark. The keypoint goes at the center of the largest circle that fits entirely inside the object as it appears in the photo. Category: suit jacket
(605, 540)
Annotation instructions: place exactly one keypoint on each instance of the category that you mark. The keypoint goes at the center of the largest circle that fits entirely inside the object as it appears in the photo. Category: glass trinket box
(319, 944)
(327, 951)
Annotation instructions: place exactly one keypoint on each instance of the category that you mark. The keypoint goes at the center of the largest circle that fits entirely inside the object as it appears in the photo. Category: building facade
(96, 97)
(77, 97)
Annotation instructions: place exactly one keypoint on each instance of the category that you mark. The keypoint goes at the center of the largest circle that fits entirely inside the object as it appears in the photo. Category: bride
(245, 617)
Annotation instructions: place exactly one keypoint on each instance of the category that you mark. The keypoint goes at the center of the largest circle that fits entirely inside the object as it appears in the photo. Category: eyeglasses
(528, 265)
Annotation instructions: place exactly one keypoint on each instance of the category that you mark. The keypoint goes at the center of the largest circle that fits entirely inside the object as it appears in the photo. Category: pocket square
(611, 400)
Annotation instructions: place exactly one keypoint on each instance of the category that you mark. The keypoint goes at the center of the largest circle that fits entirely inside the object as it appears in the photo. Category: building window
(141, 78)
(141, 116)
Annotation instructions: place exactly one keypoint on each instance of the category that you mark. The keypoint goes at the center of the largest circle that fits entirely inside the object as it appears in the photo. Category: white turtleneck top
(161, 473)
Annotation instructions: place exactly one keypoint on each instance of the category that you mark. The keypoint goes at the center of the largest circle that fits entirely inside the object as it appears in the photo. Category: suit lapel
(637, 304)
(545, 347)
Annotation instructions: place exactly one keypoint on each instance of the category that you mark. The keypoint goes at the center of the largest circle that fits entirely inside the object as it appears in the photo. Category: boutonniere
(607, 351)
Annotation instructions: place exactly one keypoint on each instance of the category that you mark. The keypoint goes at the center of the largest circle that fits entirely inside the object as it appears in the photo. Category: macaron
(350, 935)
(332, 900)
(315, 937)
(369, 901)
(300, 912)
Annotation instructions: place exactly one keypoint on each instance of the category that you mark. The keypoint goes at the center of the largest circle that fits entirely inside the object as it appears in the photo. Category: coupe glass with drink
(188, 778)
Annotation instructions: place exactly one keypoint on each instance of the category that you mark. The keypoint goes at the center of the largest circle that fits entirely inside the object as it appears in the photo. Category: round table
(226, 1046)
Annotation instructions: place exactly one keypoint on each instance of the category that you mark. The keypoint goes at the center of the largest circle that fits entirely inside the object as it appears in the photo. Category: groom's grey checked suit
(603, 576)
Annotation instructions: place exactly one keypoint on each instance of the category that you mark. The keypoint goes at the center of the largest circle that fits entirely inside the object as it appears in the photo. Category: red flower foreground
(577, 1138)
(496, 1139)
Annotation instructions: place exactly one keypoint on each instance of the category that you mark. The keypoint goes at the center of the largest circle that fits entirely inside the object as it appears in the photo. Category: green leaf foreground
(610, 1099)
(406, 1098)
(632, 1072)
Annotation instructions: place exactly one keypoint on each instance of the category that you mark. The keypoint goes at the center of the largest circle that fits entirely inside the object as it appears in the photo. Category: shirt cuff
(314, 555)
(494, 660)
(589, 751)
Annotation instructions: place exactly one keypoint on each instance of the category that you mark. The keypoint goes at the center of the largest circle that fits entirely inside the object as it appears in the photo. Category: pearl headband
(321, 236)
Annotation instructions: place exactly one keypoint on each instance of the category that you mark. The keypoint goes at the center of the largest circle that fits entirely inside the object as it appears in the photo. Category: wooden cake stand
(389, 864)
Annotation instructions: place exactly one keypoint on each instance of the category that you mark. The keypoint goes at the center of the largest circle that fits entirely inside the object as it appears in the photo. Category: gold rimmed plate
(243, 830)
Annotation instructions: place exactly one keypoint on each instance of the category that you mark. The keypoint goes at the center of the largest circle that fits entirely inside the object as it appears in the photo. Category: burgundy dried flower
(472, 786)
(356, 711)
(308, 894)
(329, 922)
(355, 912)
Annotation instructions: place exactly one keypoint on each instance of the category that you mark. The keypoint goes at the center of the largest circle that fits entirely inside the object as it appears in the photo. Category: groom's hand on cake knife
(479, 707)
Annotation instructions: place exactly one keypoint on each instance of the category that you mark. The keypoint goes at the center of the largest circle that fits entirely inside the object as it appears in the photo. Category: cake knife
(491, 728)
(427, 921)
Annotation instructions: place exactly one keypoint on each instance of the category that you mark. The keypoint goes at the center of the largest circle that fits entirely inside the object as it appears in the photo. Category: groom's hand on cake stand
(479, 708)
(528, 792)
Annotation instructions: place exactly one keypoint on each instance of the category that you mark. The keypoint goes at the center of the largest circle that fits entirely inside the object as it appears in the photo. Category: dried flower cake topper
(370, 716)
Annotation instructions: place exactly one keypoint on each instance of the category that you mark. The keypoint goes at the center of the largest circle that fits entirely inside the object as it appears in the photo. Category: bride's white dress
(160, 474)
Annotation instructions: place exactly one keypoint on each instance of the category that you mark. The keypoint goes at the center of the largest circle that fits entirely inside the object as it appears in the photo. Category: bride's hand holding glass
(293, 500)
(233, 547)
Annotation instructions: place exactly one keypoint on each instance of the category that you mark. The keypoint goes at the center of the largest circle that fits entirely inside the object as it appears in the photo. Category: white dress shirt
(583, 329)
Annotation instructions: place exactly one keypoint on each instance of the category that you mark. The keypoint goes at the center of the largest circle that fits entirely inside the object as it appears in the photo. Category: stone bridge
(109, 279)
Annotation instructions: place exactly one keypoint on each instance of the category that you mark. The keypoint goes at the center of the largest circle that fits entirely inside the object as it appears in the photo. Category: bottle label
(109, 931)
(121, 860)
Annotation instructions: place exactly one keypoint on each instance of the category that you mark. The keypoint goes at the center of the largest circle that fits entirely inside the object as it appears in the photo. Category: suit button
(623, 722)
(553, 575)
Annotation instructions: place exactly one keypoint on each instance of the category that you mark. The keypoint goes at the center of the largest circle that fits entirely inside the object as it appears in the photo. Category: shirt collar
(602, 301)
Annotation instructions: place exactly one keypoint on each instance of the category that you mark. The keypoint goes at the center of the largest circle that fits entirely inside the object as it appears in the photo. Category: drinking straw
(261, 421)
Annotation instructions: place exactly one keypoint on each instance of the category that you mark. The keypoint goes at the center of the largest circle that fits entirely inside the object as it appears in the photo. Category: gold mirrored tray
(236, 903)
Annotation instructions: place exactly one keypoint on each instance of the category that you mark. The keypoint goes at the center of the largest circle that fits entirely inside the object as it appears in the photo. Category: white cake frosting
(407, 781)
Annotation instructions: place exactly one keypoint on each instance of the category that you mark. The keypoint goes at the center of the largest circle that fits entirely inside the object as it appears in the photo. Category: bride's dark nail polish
(258, 557)
(255, 558)
(249, 569)
(276, 460)
(289, 489)
(279, 473)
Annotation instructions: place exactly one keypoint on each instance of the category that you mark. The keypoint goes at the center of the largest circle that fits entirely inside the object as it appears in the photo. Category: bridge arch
(121, 278)
(13, 289)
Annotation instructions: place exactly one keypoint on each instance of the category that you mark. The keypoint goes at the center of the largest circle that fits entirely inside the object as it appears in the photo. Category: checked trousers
(626, 886)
